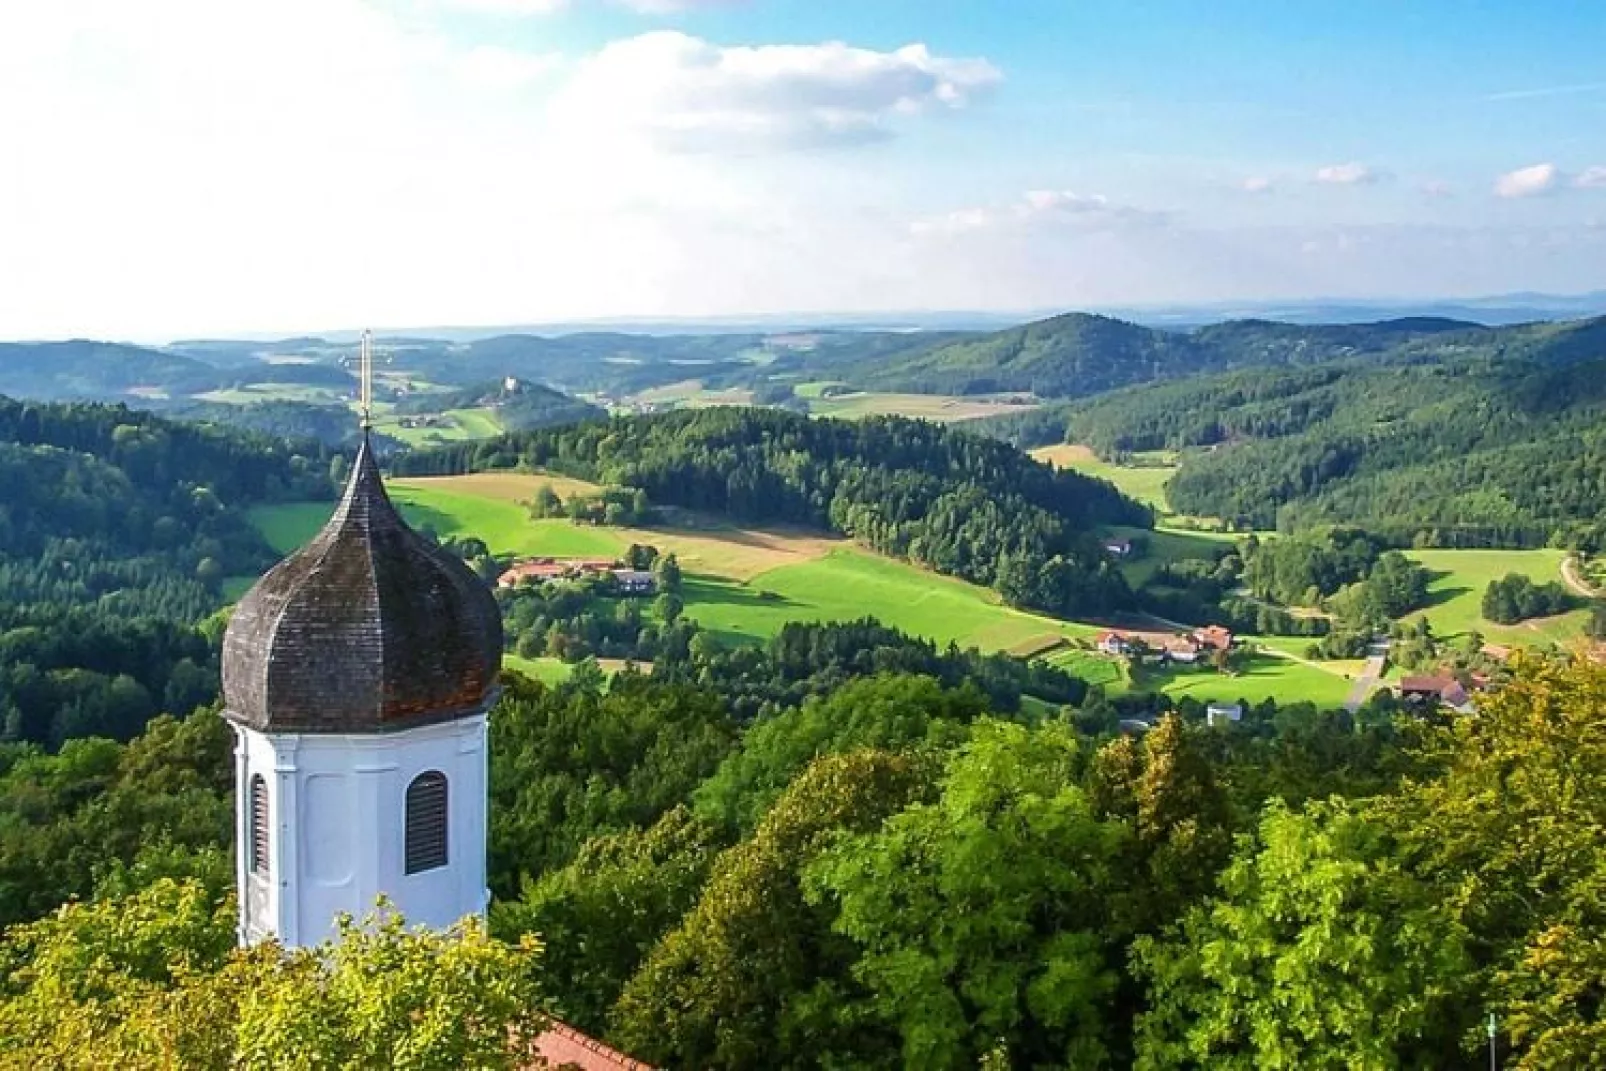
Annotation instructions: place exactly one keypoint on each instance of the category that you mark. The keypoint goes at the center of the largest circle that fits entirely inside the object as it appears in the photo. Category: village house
(1214, 638)
(1121, 548)
(1113, 643)
(635, 581)
(1221, 714)
(541, 570)
(1181, 649)
(1433, 691)
(537, 570)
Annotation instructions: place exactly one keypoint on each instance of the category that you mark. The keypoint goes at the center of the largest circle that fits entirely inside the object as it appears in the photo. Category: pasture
(939, 407)
(849, 583)
(1267, 677)
(312, 393)
(1144, 483)
(458, 425)
(1460, 577)
(1169, 545)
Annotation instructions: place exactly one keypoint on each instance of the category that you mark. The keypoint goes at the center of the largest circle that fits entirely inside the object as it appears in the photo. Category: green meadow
(481, 423)
(1456, 593)
(849, 583)
(1144, 482)
(504, 526)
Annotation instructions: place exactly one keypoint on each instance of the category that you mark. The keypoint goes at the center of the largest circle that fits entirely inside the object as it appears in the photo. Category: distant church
(358, 676)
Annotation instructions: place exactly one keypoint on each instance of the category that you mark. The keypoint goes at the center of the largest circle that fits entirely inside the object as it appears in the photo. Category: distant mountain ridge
(1080, 354)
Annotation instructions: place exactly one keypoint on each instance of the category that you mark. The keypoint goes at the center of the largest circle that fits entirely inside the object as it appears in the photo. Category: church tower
(357, 675)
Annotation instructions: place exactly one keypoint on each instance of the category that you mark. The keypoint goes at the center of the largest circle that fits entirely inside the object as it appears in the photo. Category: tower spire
(365, 364)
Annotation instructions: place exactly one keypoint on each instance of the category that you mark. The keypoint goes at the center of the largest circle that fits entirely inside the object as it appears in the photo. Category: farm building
(635, 581)
(1181, 649)
(1434, 691)
(1220, 714)
(1213, 637)
(537, 570)
(1113, 643)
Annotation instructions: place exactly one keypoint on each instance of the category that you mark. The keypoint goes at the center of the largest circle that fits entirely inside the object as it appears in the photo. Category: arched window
(426, 822)
(259, 825)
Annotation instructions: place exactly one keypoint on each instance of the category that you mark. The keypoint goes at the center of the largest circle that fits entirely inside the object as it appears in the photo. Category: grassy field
(939, 407)
(849, 583)
(1144, 483)
(547, 670)
(1267, 677)
(504, 525)
(480, 423)
(1169, 545)
(1460, 578)
(315, 394)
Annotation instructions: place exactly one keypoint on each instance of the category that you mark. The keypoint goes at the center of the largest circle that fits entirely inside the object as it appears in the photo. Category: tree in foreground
(750, 977)
(155, 981)
(984, 921)
(1320, 952)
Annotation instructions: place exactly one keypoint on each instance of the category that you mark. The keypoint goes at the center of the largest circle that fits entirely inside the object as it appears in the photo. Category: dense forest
(1077, 354)
(963, 505)
(1495, 444)
(1152, 901)
(117, 532)
(519, 405)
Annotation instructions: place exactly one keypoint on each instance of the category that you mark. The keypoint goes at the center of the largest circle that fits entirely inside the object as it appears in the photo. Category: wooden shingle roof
(367, 628)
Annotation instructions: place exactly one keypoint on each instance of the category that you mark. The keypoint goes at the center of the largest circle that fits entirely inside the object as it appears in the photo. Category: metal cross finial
(365, 372)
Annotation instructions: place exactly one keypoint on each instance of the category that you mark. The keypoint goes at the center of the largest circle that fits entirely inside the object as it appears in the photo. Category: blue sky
(184, 166)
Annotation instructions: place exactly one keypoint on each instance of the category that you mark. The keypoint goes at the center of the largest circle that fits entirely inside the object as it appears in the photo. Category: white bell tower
(358, 675)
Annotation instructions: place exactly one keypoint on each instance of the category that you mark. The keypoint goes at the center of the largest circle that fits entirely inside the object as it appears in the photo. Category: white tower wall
(337, 812)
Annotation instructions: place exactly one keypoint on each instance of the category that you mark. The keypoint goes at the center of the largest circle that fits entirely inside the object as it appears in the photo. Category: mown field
(1145, 483)
(1460, 578)
(939, 407)
(480, 423)
(312, 393)
(849, 583)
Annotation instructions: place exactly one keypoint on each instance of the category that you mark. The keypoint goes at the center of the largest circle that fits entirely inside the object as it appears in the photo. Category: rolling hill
(1077, 354)
(1498, 433)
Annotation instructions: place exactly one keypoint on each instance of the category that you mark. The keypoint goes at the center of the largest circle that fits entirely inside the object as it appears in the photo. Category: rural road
(1569, 573)
(1371, 673)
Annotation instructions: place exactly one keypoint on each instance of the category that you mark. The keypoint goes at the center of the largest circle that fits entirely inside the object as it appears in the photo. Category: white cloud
(1528, 181)
(1350, 174)
(1256, 184)
(507, 8)
(1040, 209)
(529, 8)
(496, 68)
(1591, 178)
(670, 7)
(687, 94)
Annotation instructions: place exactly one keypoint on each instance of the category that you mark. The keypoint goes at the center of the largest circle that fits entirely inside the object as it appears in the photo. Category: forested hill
(520, 405)
(1076, 355)
(85, 369)
(964, 505)
(1505, 442)
(117, 530)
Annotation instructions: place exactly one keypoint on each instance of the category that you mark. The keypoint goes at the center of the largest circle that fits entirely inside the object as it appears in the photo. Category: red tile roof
(563, 1046)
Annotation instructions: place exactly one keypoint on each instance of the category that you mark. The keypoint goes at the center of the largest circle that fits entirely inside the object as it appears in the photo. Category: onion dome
(366, 629)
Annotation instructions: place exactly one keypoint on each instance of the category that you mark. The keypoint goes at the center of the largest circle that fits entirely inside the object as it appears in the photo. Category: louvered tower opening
(259, 825)
(426, 822)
